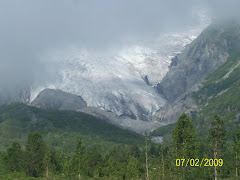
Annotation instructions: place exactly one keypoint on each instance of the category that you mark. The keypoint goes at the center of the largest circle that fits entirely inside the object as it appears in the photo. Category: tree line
(36, 160)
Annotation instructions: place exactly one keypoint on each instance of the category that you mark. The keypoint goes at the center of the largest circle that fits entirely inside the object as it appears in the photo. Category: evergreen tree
(162, 155)
(134, 151)
(184, 144)
(217, 140)
(132, 168)
(56, 160)
(67, 166)
(236, 148)
(35, 152)
(94, 159)
(146, 154)
(184, 138)
(46, 161)
(79, 157)
(112, 165)
(14, 158)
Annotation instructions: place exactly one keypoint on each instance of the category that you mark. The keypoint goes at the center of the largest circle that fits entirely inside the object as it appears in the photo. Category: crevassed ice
(116, 82)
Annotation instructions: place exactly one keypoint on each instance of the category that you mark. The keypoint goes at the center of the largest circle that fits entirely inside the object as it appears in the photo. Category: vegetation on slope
(59, 128)
(220, 93)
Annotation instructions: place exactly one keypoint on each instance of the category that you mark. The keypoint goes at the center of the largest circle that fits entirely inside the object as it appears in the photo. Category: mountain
(56, 99)
(59, 128)
(59, 100)
(123, 81)
(197, 60)
(190, 68)
(214, 90)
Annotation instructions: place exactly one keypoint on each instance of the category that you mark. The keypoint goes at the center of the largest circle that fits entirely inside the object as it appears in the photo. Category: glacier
(122, 82)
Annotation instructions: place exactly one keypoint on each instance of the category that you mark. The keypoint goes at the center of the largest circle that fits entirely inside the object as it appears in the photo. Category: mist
(31, 29)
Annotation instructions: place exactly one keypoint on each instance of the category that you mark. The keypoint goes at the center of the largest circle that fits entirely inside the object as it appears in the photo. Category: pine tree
(184, 138)
(35, 152)
(94, 159)
(14, 158)
(184, 143)
(236, 148)
(132, 168)
(217, 140)
(46, 161)
(146, 153)
(162, 161)
(79, 154)
(134, 151)
(67, 166)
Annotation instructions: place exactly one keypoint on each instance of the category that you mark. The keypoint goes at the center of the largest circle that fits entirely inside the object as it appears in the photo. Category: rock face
(57, 99)
(199, 58)
(171, 111)
(188, 71)
(138, 126)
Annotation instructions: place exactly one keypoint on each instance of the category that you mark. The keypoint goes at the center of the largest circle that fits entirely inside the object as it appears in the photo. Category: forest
(179, 159)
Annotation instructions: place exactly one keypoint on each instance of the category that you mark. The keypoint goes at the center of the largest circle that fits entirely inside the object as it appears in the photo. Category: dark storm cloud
(29, 29)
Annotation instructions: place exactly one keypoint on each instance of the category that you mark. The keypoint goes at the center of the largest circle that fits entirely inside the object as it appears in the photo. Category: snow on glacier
(106, 82)
(115, 82)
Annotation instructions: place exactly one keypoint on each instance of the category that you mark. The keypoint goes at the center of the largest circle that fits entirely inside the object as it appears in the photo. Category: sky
(29, 29)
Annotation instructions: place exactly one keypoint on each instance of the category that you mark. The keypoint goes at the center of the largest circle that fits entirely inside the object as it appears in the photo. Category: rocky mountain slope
(217, 90)
(197, 60)
(189, 69)
(51, 99)
(57, 99)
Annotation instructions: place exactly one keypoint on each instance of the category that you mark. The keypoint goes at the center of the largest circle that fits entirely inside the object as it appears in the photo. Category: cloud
(224, 8)
(29, 28)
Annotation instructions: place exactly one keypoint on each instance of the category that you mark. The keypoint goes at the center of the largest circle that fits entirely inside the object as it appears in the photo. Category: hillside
(59, 128)
(219, 92)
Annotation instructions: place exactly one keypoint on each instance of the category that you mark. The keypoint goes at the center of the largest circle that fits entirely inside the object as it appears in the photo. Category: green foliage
(122, 162)
(35, 152)
(13, 160)
(217, 136)
(59, 128)
(236, 148)
(79, 157)
(132, 168)
(217, 140)
(184, 137)
(46, 163)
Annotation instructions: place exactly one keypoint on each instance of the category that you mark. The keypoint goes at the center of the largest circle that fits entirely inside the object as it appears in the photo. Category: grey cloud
(28, 29)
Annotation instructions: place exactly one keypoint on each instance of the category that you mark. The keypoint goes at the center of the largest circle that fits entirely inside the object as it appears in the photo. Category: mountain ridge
(218, 93)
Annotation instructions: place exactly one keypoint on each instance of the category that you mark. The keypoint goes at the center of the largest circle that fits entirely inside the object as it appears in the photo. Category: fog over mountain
(108, 52)
(30, 29)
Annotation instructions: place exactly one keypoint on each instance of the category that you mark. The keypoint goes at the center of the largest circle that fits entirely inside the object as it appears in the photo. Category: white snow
(115, 82)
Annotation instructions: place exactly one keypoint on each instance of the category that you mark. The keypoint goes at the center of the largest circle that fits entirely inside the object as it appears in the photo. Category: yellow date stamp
(199, 162)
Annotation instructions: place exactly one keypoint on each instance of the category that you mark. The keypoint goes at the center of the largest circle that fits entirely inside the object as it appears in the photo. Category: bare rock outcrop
(57, 99)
